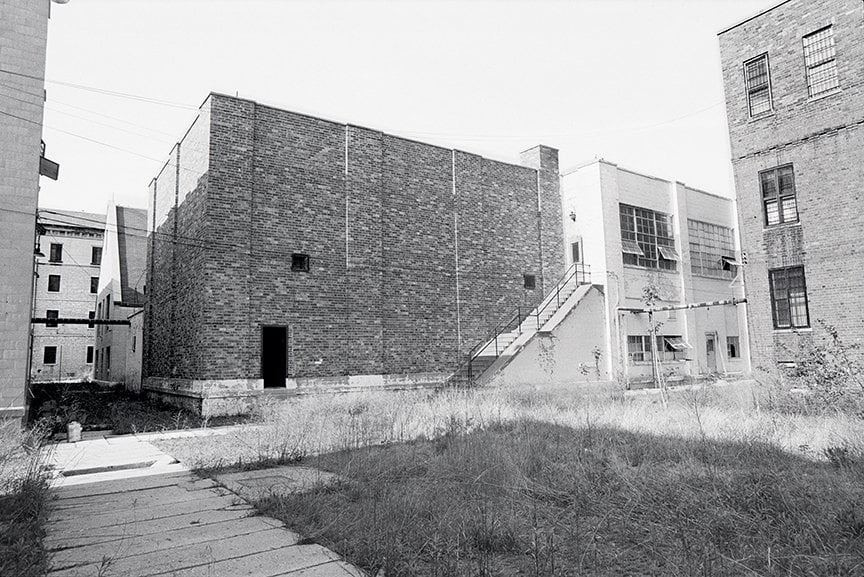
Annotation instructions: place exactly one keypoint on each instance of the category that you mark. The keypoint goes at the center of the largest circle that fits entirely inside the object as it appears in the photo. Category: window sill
(761, 116)
(828, 94)
(782, 225)
(793, 330)
(649, 269)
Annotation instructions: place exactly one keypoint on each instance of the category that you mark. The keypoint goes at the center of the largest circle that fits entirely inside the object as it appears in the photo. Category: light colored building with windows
(121, 297)
(67, 281)
(794, 83)
(640, 234)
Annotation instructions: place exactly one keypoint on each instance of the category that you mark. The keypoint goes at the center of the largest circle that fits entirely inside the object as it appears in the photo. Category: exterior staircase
(512, 333)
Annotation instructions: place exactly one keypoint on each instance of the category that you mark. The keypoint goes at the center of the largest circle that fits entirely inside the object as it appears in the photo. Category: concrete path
(124, 508)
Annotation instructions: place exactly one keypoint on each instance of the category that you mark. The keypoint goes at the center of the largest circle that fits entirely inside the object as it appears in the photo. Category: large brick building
(23, 40)
(288, 251)
(794, 83)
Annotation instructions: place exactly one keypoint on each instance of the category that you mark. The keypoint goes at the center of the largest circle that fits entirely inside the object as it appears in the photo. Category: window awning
(677, 343)
(668, 253)
(631, 247)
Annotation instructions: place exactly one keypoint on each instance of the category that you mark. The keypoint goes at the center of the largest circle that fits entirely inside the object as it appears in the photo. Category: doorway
(274, 356)
(711, 351)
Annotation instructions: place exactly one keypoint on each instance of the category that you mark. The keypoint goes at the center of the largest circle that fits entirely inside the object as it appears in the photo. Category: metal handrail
(496, 331)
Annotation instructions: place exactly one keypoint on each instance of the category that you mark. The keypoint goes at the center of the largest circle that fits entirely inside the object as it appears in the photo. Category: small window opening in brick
(530, 281)
(300, 262)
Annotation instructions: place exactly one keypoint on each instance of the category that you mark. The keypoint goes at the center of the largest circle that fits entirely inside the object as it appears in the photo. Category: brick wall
(23, 35)
(384, 220)
(823, 138)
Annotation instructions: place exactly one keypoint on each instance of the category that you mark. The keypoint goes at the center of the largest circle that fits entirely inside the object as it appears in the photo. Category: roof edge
(754, 16)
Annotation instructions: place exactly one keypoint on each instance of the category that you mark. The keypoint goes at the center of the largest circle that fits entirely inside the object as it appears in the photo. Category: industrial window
(51, 314)
(96, 255)
(757, 79)
(300, 262)
(56, 254)
(94, 284)
(733, 348)
(778, 195)
(712, 250)
(646, 238)
(49, 355)
(529, 281)
(789, 298)
(820, 61)
(89, 355)
(669, 347)
(54, 283)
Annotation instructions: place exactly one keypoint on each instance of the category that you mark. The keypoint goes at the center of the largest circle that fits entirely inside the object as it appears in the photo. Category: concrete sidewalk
(125, 508)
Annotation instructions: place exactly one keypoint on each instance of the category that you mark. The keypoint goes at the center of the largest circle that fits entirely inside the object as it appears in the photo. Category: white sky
(635, 82)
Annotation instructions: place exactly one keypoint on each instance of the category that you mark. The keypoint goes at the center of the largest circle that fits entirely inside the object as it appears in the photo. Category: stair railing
(581, 271)
(578, 270)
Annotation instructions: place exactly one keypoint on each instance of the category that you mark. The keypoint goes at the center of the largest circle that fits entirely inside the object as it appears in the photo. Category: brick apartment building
(794, 83)
(288, 251)
(635, 231)
(67, 279)
(23, 40)
(122, 278)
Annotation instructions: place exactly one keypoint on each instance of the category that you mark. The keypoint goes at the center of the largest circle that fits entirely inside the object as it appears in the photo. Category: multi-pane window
(669, 347)
(96, 255)
(646, 238)
(789, 298)
(757, 80)
(54, 283)
(733, 347)
(820, 61)
(51, 314)
(778, 195)
(712, 248)
(56, 254)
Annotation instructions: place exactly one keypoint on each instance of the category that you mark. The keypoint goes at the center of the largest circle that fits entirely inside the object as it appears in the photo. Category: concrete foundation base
(218, 397)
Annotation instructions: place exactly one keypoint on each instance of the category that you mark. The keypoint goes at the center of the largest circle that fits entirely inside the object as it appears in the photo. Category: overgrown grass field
(721, 480)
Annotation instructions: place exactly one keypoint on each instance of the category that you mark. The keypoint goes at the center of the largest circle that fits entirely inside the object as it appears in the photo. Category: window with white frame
(712, 250)
(669, 348)
(757, 79)
(646, 238)
(820, 61)
(778, 195)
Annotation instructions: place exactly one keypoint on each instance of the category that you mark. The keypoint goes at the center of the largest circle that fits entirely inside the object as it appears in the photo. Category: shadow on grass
(532, 498)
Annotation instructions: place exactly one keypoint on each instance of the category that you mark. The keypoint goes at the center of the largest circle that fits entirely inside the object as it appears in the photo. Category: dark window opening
(94, 284)
(576, 251)
(733, 348)
(49, 356)
(54, 283)
(89, 355)
(96, 255)
(300, 262)
(51, 315)
(56, 254)
(778, 195)
(530, 281)
(789, 298)
(91, 315)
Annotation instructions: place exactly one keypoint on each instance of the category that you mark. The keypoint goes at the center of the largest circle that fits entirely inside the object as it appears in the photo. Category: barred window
(757, 79)
(711, 249)
(646, 238)
(820, 61)
(778, 195)
(669, 347)
(789, 298)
